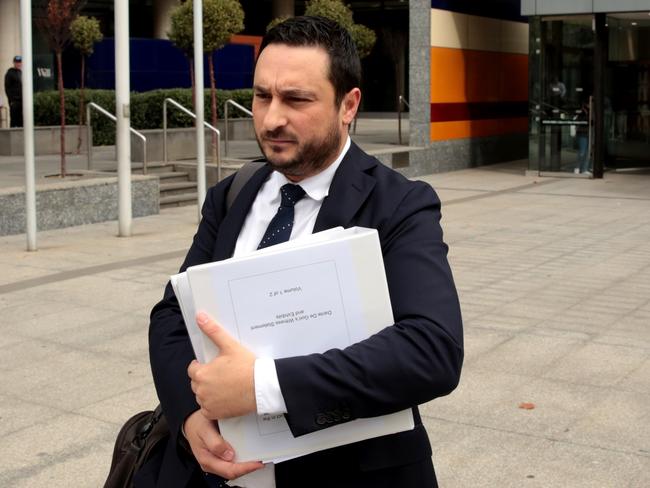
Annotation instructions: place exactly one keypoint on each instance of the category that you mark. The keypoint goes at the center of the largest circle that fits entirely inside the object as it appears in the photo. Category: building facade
(462, 65)
(468, 68)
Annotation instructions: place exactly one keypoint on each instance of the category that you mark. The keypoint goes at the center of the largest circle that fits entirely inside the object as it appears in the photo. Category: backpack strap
(242, 176)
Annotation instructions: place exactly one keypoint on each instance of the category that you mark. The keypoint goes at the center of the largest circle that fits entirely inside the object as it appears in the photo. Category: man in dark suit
(305, 97)
(14, 90)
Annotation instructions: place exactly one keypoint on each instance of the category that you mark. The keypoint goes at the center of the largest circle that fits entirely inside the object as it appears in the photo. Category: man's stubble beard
(310, 158)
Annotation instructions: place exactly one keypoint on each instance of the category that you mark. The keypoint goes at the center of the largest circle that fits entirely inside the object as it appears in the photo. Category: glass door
(627, 91)
(562, 73)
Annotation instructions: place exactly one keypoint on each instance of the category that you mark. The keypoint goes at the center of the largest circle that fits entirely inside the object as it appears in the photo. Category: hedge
(146, 109)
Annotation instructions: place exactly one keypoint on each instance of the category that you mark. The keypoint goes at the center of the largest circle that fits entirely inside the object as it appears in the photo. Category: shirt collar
(316, 187)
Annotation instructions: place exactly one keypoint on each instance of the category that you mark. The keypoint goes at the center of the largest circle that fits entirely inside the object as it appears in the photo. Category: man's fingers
(193, 368)
(226, 469)
(217, 455)
(216, 444)
(215, 332)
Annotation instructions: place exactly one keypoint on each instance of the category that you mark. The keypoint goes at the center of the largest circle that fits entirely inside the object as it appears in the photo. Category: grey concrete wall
(71, 203)
(47, 140)
(457, 154)
(181, 142)
(554, 7)
(420, 72)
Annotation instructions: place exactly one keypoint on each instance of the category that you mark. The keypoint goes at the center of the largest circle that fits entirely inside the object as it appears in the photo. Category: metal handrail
(238, 106)
(400, 101)
(89, 132)
(193, 115)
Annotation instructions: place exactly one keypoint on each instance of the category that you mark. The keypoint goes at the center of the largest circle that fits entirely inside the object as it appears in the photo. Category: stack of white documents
(309, 295)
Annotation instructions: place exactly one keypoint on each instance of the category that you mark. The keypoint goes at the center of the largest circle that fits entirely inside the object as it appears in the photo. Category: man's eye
(262, 96)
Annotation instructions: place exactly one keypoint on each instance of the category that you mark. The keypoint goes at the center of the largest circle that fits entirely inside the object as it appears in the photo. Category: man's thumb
(214, 331)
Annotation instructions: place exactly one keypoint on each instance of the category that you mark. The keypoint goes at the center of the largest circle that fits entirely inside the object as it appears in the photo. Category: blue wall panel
(157, 63)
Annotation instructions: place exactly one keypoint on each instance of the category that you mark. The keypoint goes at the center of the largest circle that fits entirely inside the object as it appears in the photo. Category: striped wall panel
(479, 76)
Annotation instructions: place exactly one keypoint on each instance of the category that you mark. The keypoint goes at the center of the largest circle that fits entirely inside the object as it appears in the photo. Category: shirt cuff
(267, 388)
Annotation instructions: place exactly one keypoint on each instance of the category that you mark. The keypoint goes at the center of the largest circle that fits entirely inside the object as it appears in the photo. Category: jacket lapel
(349, 189)
(235, 216)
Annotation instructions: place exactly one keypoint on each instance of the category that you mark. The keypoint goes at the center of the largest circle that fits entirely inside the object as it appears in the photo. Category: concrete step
(173, 176)
(153, 167)
(177, 188)
(178, 200)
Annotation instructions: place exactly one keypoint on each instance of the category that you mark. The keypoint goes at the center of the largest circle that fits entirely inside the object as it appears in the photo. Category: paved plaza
(554, 281)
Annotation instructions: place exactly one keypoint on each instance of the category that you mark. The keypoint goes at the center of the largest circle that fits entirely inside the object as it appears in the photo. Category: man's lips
(278, 141)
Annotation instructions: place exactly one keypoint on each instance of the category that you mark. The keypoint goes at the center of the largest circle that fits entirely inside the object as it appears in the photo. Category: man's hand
(211, 451)
(224, 387)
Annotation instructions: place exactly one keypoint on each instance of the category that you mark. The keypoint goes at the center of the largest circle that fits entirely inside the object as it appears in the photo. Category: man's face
(18, 65)
(298, 126)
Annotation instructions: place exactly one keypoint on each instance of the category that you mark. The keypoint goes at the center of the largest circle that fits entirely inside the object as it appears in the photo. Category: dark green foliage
(146, 109)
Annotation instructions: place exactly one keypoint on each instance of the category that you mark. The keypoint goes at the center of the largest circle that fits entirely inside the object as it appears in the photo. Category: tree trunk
(82, 102)
(59, 65)
(213, 106)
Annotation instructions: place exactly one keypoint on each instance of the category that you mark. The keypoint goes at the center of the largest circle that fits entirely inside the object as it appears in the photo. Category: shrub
(146, 109)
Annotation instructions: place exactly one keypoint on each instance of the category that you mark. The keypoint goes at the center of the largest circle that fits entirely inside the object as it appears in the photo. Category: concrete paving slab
(86, 468)
(597, 364)
(478, 457)
(621, 421)
(527, 354)
(16, 414)
(492, 400)
(112, 409)
(26, 454)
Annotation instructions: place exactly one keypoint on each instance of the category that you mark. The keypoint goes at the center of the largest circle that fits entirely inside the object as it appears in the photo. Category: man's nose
(275, 117)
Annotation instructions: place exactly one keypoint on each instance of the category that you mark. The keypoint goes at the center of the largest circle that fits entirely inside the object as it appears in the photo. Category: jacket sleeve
(170, 350)
(411, 362)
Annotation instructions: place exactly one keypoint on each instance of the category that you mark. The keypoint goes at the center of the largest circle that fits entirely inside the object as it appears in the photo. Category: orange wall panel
(461, 75)
(448, 75)
(514, 81)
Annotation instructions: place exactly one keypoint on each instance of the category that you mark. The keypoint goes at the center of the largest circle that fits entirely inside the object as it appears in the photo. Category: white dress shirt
(267, 387)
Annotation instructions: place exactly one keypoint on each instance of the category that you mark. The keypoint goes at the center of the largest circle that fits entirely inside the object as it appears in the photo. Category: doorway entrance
(627, 91)
(589, 93)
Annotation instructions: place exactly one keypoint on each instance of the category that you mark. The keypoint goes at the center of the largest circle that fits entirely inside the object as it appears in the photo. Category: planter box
(181, 142)
(47, 140)
(70, 203)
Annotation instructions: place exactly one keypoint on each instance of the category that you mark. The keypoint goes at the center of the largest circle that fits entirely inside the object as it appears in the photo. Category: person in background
(14, 90)
(582, 138)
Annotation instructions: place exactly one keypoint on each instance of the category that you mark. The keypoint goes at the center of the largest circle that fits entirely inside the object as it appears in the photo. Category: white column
(200, 106)
(28, 122)
(122, 113)
(9, 39)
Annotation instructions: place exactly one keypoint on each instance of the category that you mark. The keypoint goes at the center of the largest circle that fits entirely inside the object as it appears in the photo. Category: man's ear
(350, 105)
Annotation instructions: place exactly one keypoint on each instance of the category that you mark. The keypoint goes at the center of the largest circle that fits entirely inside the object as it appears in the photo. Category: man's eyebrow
(287, 92)
(297, 92)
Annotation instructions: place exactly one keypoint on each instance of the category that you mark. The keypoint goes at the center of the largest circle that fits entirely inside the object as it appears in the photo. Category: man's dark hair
(345, 66)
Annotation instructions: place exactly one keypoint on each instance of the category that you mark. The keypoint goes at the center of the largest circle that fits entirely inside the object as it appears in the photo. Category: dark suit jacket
(413, 361)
